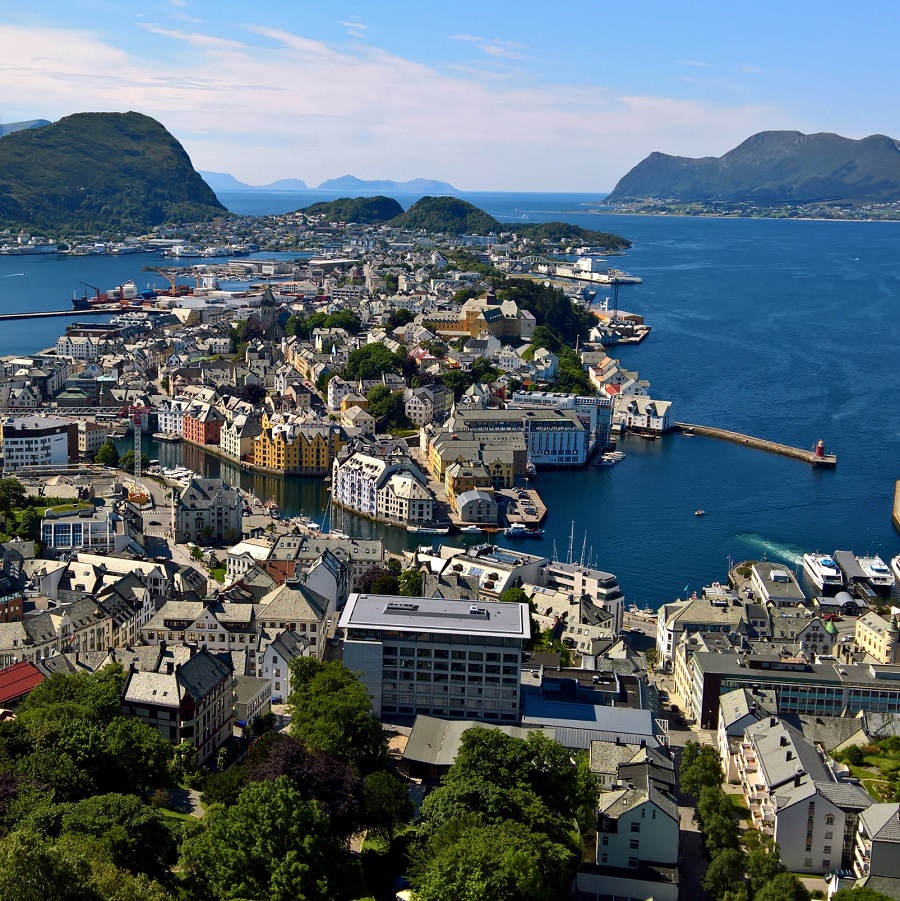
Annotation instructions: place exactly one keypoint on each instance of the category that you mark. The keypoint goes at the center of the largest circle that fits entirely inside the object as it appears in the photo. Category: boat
(605, 460)
(823, 572)
(470, 530)
(699, 512)
(520, 530)
(429, 530)
(895, 568)
(530, 470)
(877, 573)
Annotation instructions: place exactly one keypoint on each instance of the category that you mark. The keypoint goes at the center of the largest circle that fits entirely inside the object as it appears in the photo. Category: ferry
(429, 530)
(470, 530)
(877, 573)
(823, 572)
(895, 568)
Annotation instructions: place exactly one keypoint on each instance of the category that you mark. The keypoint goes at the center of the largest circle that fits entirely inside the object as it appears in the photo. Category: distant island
(450, 215)
(771, 169)
(222, 181)
(100, 173)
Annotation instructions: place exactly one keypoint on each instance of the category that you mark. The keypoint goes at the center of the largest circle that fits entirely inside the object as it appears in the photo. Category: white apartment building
(170, 416)
(636, 412)
(774, 583)
(404, 499)
(91, 437)
(243, 556)
(206, 509)
(387, 488)
(876, 849)
(705, 614)
(338, 389)
(93, 530)
(30, 441)
(439, 657)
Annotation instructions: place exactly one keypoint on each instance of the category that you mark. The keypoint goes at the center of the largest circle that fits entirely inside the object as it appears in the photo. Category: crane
(137, 414)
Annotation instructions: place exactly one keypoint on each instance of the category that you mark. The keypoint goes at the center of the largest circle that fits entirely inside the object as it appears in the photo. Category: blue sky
(488, 96)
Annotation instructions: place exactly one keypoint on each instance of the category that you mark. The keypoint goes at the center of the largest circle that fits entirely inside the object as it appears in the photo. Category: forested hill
(361, 210)
(447, 214)
(99, 172)
(773, 167)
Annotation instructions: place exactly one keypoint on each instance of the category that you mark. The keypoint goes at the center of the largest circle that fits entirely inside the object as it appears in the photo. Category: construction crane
(137, 414)
(175, 290)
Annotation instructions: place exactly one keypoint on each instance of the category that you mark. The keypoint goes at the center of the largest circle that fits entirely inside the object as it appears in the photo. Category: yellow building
(297, 449)
(503, 457)
(878, 636)
(460, 477)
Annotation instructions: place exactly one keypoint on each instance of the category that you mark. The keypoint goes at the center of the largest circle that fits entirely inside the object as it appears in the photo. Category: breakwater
(51, 314)
(785, 450)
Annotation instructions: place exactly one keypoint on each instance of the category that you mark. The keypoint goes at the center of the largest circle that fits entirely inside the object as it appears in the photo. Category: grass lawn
(218, 573)
(871, 780)
(174, 814)
(740, 808)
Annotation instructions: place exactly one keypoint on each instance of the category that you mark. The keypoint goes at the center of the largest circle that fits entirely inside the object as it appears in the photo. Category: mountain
(362, 210)
(222, 181)
(773, 167)
(7, 128)
(416, 186)
(100, 173)
(447, 214)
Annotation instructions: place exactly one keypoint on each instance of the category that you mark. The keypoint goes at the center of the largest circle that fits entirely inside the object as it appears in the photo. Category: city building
(91, 437)
(444, 658)
(206, 510)
(878, 637)
(38, 441)
(774, 583)
(93, 529)
(276, 662)
(876, 851)
(718, 613)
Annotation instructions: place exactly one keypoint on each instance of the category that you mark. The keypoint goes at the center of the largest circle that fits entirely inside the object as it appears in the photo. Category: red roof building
(16, 682)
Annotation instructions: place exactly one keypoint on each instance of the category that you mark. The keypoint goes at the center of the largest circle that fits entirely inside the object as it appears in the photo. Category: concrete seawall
(896, 512)
(796, 453)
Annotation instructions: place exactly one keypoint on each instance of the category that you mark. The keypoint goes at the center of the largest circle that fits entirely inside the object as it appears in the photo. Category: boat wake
(771, 549)
(14, 275)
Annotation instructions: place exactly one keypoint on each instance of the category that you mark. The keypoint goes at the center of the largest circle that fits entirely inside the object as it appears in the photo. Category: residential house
(277, 657)
(206, 510)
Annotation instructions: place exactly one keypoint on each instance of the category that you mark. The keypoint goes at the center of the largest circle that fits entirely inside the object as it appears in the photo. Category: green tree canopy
(387, 804)
(783, 887)
(700, 768)
(108, 455)
(270, 846)
(333, 713)
(411, 583)
(371, 361)
(861, 893)
(12, 494)
(725, 873)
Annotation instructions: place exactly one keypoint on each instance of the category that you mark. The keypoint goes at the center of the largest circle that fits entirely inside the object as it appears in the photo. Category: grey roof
(783, 753)
(613, 804)
(845, 795)
(887, 885)
(882, 822)
(607, 755)
(246, 688)
(736, 705)
(293, 600)
(289, 645)
(827, 731)
(403, 614)
(436, 741)
(202, 672)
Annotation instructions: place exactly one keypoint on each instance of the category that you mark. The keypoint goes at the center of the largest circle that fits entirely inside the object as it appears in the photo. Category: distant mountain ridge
(773, 167)
(100, 173)
(7, 128)
(415, 186)
(222, 181)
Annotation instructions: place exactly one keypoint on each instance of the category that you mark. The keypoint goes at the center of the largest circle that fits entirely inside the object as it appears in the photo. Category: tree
(224, 787)
(862, 893)
(411, 583)
(503, 862)
(29, 524)
(703, 770)
(318, 777)
(271, 844)
(108, 455)
(32, 870)
(371, 361)
(253, 394)
(12, 494)
(126, 461)
(387, 803)
(333, 713)
(783, 887)
(763, 859)
(515, 596)
(651, 655)
(725, 873)
(378, 580)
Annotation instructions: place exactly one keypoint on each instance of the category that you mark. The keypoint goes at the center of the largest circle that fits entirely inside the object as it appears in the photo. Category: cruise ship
(878, 574)
(823, 572)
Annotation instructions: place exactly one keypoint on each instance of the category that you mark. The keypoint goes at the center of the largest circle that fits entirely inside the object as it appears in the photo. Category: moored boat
(878, 574)
(823, 572)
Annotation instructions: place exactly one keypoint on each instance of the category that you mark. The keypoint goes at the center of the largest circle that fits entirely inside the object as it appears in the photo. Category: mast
(571, 541)
(583, 547)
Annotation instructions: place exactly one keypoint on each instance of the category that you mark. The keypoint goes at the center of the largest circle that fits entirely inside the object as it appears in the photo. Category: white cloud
(696, 63)
(298, 107)
(355, 27)
(751, 70)
(496, 47)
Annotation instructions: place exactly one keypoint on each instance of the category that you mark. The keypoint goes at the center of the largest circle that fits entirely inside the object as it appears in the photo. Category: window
(826, 864)
(603, 858)
(636, 827)
(807, 861)
(828, 835)
(634, 844)
(829, 820)
(605, 841)
(633, 862)
(827, 849)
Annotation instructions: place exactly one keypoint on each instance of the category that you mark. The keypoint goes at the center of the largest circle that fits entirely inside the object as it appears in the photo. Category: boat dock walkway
(796, 453)
(49, 314)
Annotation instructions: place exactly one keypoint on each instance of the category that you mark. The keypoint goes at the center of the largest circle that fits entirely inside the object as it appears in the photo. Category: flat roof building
(436, 656)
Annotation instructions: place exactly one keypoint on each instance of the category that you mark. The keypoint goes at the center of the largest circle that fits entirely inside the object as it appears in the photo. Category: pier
(49, 314)
(896, 512)
(796, 453)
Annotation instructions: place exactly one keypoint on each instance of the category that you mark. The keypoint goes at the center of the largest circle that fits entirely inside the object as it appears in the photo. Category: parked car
(663, 695)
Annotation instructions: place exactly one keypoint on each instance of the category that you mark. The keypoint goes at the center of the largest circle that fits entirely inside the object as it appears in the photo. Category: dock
(49, 314)
(828, 461)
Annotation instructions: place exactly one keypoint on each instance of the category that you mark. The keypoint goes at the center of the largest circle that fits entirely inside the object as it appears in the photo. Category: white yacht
(878, 574)
(823, 572)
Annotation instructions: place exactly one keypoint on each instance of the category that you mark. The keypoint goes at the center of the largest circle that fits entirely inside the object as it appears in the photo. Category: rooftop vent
(398, 607)
(475, 610)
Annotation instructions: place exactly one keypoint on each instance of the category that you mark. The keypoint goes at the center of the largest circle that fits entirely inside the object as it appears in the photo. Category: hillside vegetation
(361, 210)
(100, 172)
(773, 167)
(447, 214)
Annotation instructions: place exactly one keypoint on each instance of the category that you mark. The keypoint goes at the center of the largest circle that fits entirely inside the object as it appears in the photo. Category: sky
(500, 96)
